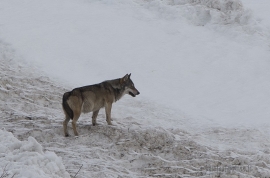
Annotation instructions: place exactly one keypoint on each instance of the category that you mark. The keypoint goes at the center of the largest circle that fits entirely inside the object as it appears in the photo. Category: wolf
(92, 98)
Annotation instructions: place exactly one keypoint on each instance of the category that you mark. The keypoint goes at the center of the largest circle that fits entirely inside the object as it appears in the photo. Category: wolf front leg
(94, 117)
(108, 108)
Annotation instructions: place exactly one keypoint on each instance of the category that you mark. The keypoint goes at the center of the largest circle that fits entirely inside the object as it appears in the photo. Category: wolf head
(128, 86)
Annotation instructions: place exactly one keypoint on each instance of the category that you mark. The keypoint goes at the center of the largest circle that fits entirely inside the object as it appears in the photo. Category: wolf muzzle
(133, 94)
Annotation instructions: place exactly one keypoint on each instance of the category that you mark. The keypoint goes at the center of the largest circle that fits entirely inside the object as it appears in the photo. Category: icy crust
(25, 159)
(220, 15)
(31, 109)
(200, 12)
(217, 11)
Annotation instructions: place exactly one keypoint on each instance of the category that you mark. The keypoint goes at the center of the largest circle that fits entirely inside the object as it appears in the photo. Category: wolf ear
(124, 79)
(129, 75)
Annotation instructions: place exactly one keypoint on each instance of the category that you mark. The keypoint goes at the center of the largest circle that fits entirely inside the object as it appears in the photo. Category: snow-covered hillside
(202, 68)
(214, 71)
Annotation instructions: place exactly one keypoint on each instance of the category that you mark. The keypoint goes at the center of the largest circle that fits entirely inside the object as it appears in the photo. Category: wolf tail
(65, 105)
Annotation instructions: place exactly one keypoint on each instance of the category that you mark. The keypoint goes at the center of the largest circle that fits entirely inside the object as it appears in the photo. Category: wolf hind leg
(74, 122)
(94, 117)
(65, 126)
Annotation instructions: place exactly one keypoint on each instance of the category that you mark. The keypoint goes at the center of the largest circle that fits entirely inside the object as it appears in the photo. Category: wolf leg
(65, 126)
(94, 117)
(108, 108)
(74, 125)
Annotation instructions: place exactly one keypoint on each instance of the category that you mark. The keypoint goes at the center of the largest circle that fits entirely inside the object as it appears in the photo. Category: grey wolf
(93, 97)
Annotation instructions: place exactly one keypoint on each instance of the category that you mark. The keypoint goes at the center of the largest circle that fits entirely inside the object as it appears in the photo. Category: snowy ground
(202, 68)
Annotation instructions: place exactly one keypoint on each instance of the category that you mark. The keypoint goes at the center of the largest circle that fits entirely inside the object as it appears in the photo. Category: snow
(142, 41)
(26, 158)
(202, 67)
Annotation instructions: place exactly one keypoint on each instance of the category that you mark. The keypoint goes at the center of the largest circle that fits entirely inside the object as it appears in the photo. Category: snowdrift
(27, 159)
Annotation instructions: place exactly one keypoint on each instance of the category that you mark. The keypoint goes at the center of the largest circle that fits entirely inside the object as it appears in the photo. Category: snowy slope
(217, 72)
(260, 11)
(31, 111)
(202, 68)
